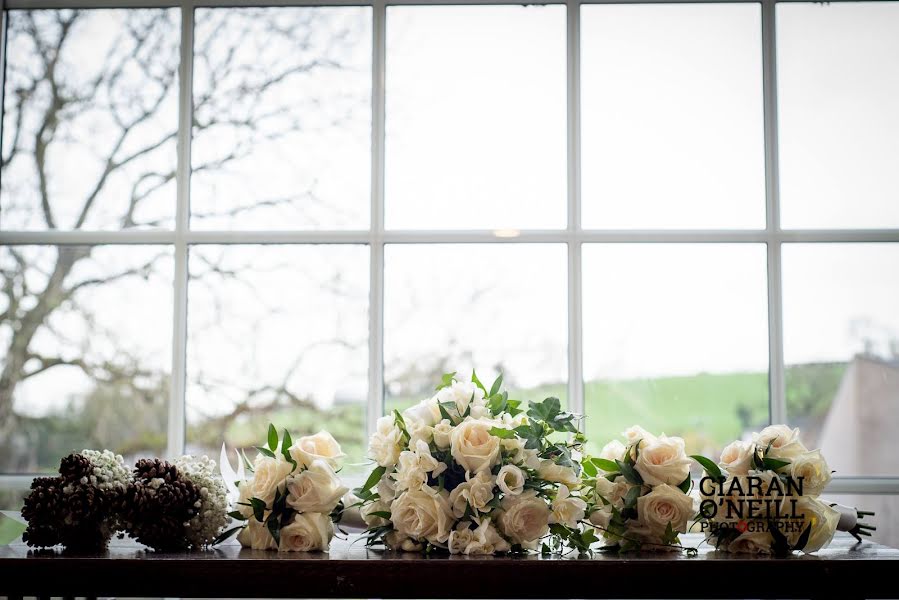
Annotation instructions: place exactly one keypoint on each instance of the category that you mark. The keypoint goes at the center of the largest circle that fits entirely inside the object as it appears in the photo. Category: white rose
(308, 532)
(635, 433)
(256, 536)
(486, 540)
(663, 460)
(784, 441)
(822, 517)
(321, 446)
(736, 458)
(663, 505)
(419, 432)
(550, 471)
(386, 489)
(601, 518)
(459, 539)
(476, 492)
(245, 492)
(752, 542)
(605, 488)
(614, 450)
(530, 458)
(423, 515)
(524, 518)
(386, 442)
(425, 412)
(269, 475)
(373, 520)
(473, 447)
(567, 509)
(510, 480)
(397, 541)
(415, 467)
(461, 393)
(442, 432)
(811, 469)
(317, 489)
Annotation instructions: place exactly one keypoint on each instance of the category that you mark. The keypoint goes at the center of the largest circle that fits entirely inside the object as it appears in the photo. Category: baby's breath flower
(212, 508)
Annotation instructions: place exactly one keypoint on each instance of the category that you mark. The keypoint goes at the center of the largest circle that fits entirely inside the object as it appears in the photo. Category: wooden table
(845, 570)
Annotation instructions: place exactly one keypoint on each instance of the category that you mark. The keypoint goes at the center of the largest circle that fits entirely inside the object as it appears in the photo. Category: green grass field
(707, 409)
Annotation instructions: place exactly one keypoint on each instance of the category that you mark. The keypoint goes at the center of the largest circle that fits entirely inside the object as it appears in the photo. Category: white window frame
(376, 237)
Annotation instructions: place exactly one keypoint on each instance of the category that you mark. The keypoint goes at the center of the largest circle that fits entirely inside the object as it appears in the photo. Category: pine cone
(154, 511)
(42, 510)
(83, 503)
(152, 468)
(75, 468)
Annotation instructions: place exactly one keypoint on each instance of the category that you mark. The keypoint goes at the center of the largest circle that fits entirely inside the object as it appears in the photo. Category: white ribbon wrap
(848, 517)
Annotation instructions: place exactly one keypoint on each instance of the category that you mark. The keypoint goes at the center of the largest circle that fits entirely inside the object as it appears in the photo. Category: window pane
(838, 88)
(90, 119)
(886, 509)
(673, 132)
(476, 117)
(87, 334)
(282, 124)
(841, 347)
(675, 339)
(442, 314)
(277, 334)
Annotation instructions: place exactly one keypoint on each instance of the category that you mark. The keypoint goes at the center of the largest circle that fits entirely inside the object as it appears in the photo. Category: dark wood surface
(844, 570)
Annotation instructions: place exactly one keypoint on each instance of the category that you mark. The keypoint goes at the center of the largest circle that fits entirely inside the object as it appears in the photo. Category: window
(213, 217)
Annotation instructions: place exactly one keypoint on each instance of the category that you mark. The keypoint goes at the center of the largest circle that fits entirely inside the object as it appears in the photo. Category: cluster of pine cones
(84, 507)
(157, 505)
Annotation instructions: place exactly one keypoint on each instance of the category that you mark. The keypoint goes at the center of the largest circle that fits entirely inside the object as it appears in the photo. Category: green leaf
(589, 468)
(477, 382)
(384, 514)
(225, 535)
(512, 405)
(546, 410)
(670, 535)
(246, 461)
(266, 451)
(372, 480)
(629, 472)
(609, 466)
(781, 546)
(505, 434)
(444, 413)
(710, 467)
(446, 380)
(773, 464)
(258, 509)
(685, 484)
(274, 528)
(496, 404)
(236, 514)
(286, 443)
(630, 500)
(497, 384)
(588, 536)
(272, 437)
(803, 539)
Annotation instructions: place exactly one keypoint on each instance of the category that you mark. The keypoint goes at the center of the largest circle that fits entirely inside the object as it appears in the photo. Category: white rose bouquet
(293, 494)
(762, 497)
(470, 472)
(638, 492)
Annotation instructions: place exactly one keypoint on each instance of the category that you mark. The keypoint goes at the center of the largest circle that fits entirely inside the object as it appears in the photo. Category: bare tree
(126, 172)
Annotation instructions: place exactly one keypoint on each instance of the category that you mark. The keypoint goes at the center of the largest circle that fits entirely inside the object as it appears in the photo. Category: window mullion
(375, 405)
(575, 326)
(776, 378)
(177, 399)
